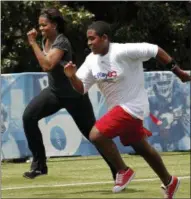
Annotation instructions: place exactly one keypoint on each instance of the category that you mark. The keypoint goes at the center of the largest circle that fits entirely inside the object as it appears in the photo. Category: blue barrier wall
(169, 103)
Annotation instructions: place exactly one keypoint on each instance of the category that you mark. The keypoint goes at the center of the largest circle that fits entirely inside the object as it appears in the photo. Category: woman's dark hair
(101, 28)
(55, 16)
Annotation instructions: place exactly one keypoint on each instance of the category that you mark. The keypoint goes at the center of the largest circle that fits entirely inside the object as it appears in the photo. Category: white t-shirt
(119, 76)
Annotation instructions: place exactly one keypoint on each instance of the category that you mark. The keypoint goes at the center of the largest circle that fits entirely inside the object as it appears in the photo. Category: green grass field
(89, 177)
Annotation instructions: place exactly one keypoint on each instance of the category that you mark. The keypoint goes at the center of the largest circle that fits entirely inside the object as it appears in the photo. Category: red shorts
(118, 122)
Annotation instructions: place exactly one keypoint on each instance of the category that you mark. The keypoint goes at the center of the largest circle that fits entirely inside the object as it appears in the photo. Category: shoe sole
(35, 176)
(119, 189)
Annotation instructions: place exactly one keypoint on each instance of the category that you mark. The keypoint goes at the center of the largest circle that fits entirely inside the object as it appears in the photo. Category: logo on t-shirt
(106, 76)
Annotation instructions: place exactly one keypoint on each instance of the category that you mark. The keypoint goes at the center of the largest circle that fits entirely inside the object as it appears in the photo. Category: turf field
(89, 177)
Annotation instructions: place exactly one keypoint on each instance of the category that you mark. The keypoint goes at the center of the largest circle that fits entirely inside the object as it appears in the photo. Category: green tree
(18, 18)
(164, 23)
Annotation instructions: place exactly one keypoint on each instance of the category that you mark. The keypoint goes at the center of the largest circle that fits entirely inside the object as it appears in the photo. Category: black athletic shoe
(34, 173)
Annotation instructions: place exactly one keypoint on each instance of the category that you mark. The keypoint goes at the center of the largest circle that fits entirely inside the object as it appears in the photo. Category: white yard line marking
(78, 184)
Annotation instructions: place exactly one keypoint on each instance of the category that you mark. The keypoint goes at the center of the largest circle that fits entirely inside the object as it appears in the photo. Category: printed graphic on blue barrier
(169, 118)
(170, 106)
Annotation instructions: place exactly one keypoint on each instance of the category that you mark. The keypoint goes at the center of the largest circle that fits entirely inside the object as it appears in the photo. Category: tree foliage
(164, 23)
(167, 24)
(18, 18)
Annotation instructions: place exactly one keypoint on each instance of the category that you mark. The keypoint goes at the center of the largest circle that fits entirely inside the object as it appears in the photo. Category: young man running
(118, 71)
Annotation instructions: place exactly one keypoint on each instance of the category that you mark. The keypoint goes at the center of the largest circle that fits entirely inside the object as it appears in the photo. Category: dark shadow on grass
(102, 192)
(108, 192)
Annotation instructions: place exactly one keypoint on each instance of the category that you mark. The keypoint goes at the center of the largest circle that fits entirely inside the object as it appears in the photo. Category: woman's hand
(32, 34)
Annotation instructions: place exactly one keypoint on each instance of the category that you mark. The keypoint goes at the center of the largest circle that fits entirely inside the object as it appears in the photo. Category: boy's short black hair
(101, 28)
